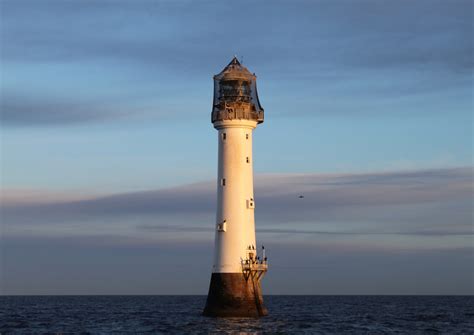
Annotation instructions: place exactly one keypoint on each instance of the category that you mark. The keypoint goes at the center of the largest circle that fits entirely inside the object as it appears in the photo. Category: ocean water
(287, 315)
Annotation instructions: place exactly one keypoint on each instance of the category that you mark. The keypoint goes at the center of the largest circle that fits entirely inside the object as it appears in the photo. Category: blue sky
(108, 156)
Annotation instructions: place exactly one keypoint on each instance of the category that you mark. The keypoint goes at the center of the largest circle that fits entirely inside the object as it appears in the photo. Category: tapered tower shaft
(235, 200)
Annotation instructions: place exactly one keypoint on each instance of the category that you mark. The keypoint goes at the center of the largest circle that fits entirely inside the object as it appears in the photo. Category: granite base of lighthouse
(232, 295)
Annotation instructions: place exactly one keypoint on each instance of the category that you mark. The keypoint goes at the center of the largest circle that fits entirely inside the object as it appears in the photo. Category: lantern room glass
(235, 90)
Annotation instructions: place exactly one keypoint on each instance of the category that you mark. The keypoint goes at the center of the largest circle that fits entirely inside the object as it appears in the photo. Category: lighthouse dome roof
(235, 70)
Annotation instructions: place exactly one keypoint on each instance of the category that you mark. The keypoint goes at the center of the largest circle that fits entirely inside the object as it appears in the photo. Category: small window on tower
(246, 136)
(221, 226)
(248, 160)
(250, 203)
(224, 136)
(223, 181)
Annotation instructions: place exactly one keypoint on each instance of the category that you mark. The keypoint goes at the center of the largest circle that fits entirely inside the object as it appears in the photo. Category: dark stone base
(230, 295)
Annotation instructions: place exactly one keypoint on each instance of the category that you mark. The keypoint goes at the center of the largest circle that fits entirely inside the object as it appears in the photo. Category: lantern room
(235, 94)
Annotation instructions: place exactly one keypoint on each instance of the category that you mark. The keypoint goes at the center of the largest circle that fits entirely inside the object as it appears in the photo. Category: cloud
(24, 109)
(422, 202)
(28, 110)
(371, 233)
(116, 265)
(394, 36)
(191, 229)
(318, 47)
(368, 34)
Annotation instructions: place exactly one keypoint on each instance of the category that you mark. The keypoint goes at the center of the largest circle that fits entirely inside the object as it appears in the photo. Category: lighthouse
(238, 265)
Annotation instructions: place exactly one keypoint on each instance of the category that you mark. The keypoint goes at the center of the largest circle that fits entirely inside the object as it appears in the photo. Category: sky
(109, 158)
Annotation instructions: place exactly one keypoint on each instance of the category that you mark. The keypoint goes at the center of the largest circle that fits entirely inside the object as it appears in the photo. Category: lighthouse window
(250, 203)
(235, 90)
(248, 160)
(221, 226)
(223, 181)
(245, 88)
(230, 88)
(224, 136)
(246, 136)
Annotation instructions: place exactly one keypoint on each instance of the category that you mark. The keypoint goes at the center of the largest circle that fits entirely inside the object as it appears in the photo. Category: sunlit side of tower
(237, 269)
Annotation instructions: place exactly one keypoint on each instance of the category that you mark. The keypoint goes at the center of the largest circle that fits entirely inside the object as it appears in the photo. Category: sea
(287, 315)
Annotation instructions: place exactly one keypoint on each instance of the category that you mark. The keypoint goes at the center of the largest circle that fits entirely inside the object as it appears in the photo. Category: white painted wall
(233, 197)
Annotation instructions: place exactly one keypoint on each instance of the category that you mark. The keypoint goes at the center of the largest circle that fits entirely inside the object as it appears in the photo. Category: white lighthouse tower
(237, 269)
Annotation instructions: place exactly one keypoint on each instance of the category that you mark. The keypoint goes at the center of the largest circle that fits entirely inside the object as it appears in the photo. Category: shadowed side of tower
(235, 289)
